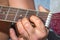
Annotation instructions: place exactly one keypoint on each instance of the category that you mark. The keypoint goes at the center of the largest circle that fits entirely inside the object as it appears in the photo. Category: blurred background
(44, 3)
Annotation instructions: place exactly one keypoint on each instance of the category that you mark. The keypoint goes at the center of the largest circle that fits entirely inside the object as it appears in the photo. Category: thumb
(42, 9)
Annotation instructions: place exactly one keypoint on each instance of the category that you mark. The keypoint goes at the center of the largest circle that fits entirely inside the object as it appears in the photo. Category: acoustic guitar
(10, 14)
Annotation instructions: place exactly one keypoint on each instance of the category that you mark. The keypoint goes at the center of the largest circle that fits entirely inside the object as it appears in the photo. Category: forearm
(24, 4)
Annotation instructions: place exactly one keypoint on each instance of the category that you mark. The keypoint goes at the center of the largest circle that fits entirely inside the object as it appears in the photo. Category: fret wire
(7, 13)
(37, 13)
(1, 8)
(16, 14)
(26, 13)
(3, 12)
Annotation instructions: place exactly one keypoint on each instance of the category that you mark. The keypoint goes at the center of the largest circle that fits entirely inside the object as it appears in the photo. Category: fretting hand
(26, 29)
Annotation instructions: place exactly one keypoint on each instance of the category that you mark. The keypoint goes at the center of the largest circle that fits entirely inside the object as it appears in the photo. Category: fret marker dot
(21, 15)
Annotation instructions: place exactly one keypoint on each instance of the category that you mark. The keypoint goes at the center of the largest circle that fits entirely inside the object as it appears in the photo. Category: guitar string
(16, 15)
(7, 13)
(26, 13)
(48, 20)
(1, 9)
(37, 13)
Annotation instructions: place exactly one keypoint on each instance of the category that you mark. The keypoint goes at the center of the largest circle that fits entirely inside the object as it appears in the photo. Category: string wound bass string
(48, 19)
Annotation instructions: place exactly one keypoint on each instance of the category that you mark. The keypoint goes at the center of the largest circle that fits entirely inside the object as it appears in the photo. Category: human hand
(26, 29)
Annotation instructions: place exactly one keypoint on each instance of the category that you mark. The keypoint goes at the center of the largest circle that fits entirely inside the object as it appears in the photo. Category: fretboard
(10, 14)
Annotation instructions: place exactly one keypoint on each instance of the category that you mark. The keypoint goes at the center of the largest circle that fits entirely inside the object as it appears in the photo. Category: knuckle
(37, 20)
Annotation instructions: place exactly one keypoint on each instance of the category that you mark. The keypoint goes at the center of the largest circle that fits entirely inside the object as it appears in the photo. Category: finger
(27, 25)
(47, 30)
(21, 39)
(40, 34)
(42, 9)
(39, 24)
(13, 35)
(21, 30)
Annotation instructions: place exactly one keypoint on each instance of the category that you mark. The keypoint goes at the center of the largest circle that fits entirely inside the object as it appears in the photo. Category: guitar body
(4, 26)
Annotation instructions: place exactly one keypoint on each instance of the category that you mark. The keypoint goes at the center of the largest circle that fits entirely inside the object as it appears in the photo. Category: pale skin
(26, 29)
(34, 33)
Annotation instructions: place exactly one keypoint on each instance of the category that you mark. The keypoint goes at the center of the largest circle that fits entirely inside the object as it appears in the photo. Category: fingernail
(19, 20)
(26, 24)
(25, 21)
(11, 30)
(32, 17)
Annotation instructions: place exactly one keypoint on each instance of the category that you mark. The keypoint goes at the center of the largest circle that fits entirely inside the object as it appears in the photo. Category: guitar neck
(10, 14)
